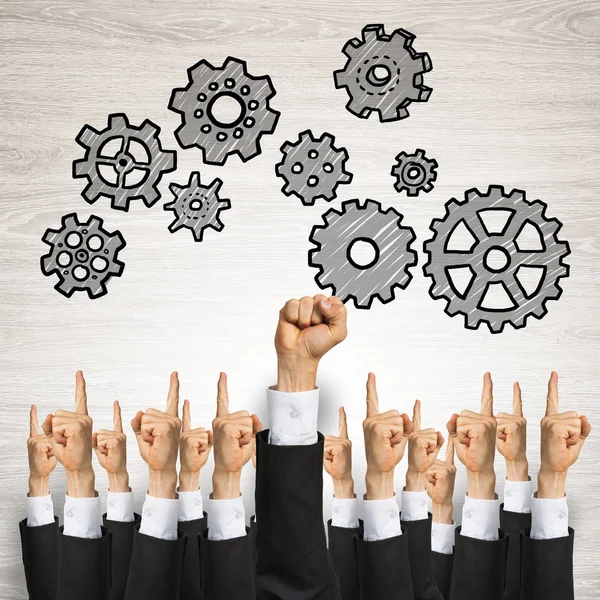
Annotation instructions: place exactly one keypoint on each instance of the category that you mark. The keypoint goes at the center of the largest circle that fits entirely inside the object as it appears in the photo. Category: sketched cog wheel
(219, 136)
(505, 263)
(313, 167)
(383, 74)
(336, 242)
(83, 255)
(414, 173)
(197, 206)
(123, 162)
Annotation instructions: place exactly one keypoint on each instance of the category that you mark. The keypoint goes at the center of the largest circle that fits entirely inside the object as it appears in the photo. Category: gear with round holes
(83, 255)
(383, 74)
(197, 206)
(217, 135)
(362, 280)
(497, 261)
(414, 173)
(313, 167)
(123, 162)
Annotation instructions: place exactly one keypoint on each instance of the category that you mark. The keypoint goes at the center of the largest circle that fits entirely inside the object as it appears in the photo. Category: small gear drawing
(313, 167)
(389, 242)
(197, 206)
(383, 73)
(83, 255)
(123, 162)
(203, 126)
(414, 173)
(521, 247)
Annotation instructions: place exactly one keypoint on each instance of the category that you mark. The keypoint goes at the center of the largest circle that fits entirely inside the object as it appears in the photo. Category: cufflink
(468, 514)
(70, 514)
(294, 414)
(238, 515)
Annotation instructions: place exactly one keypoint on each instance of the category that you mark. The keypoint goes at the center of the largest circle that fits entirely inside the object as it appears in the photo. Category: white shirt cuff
(414, 506)
(40, 510)
(159, 518)
(190, 506)
(226, 519)
(382, 519)
(517, 496)
(293, 417)
(83, 517)
(344, 512)
(119, 506)
(481, 519)
(442, 538)
(549, 518)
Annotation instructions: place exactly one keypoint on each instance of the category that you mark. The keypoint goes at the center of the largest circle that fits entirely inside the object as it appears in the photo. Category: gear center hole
(226, 110)
(196, 204)
(497, 259)
(362, 253)
(379, 75)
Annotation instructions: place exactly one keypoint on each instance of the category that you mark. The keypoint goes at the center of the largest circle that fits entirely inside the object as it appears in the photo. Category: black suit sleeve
(513, 523)
(442, 571)
(547, 568)
(83, 567)
(155, 569)
(227, 568)
(479, 568)
(343, 555)
(191, 588)
(293, 561)
(39, 551)
(120, 554)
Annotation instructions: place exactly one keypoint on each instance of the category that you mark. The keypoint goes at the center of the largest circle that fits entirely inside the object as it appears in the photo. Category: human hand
(385, 442)
(41, 459)
(474, 436)
(233, 435)
(511, 439)
(308, 328)
(440, 485)
(194, 448)
(337, 459)
(563, 435)
(157, 434)
(111, 451)
(423, 448)
(70, 434)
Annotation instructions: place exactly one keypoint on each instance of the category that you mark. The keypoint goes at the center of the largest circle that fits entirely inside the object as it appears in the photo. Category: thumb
(452, 425)
(136, 423)
(334, 312)
(47, 425)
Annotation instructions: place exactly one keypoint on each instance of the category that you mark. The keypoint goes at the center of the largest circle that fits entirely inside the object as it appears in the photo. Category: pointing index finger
(417, 416)
(343, 426)
(222, 396)
(517, 400)
(450, 451)
(34, 426)
(552, 399)
(80, 394)
(372, 399)
(487, 397)
(117, 419)
(173, 395)
(186, 417)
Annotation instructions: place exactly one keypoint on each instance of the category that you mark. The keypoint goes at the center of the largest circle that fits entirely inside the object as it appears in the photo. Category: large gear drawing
(216, 136)
(383, 73)
(123, 162)
(83, 255)
(197, 206)
(496, 258)
(313, 167)
(414, 173)
(370, 224)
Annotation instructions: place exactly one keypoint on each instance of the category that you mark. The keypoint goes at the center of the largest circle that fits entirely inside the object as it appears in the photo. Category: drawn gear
(123, 162)
(197, 206)
(383, 73)
(203, 129)
(83, 255)
(313, 167)
(414, 173)
(507, 244)
(333, 256)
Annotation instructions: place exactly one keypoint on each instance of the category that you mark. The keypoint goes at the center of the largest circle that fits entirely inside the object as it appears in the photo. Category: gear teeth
(118, 122)
(199, 69)
(87, 136)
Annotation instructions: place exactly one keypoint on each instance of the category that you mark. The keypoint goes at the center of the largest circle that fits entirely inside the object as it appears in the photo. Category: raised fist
(440, 485)
(41, 459)
(337, 459)
(511, 439)
(111, 451)
(194, 449)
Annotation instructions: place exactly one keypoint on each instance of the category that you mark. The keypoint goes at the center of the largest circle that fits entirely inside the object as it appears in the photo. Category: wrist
(482, 485)
(189, 481)
(380, 486)
(442, 513)
(415, 481)
(38, 486)
(517, 470)
(226, 486)
(551, 484)
(343, 488)
(296, 374)
(118, 482)
(163, 484)
(81, 484)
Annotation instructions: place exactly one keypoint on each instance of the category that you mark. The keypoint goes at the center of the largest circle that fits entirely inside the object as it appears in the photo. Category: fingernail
(326, 304)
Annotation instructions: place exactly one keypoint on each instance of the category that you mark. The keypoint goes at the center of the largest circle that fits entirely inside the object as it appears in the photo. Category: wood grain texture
(515, 102)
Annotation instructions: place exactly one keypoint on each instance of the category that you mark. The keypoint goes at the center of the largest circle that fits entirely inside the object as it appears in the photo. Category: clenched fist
(41, 459)
(440, 486)
(563, 435)
(385, 442)
(474, 436)
(511, 439)
(194, 449)
(111, 451)
(337, 459)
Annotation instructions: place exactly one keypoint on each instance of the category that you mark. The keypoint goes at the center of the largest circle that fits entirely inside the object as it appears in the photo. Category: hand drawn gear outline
(414, 173)
(313, 167)
(200, 127)
(383, 73)
(78, 245)
(140, 152)
(369, 223)
(197, 206)
(468, 303)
